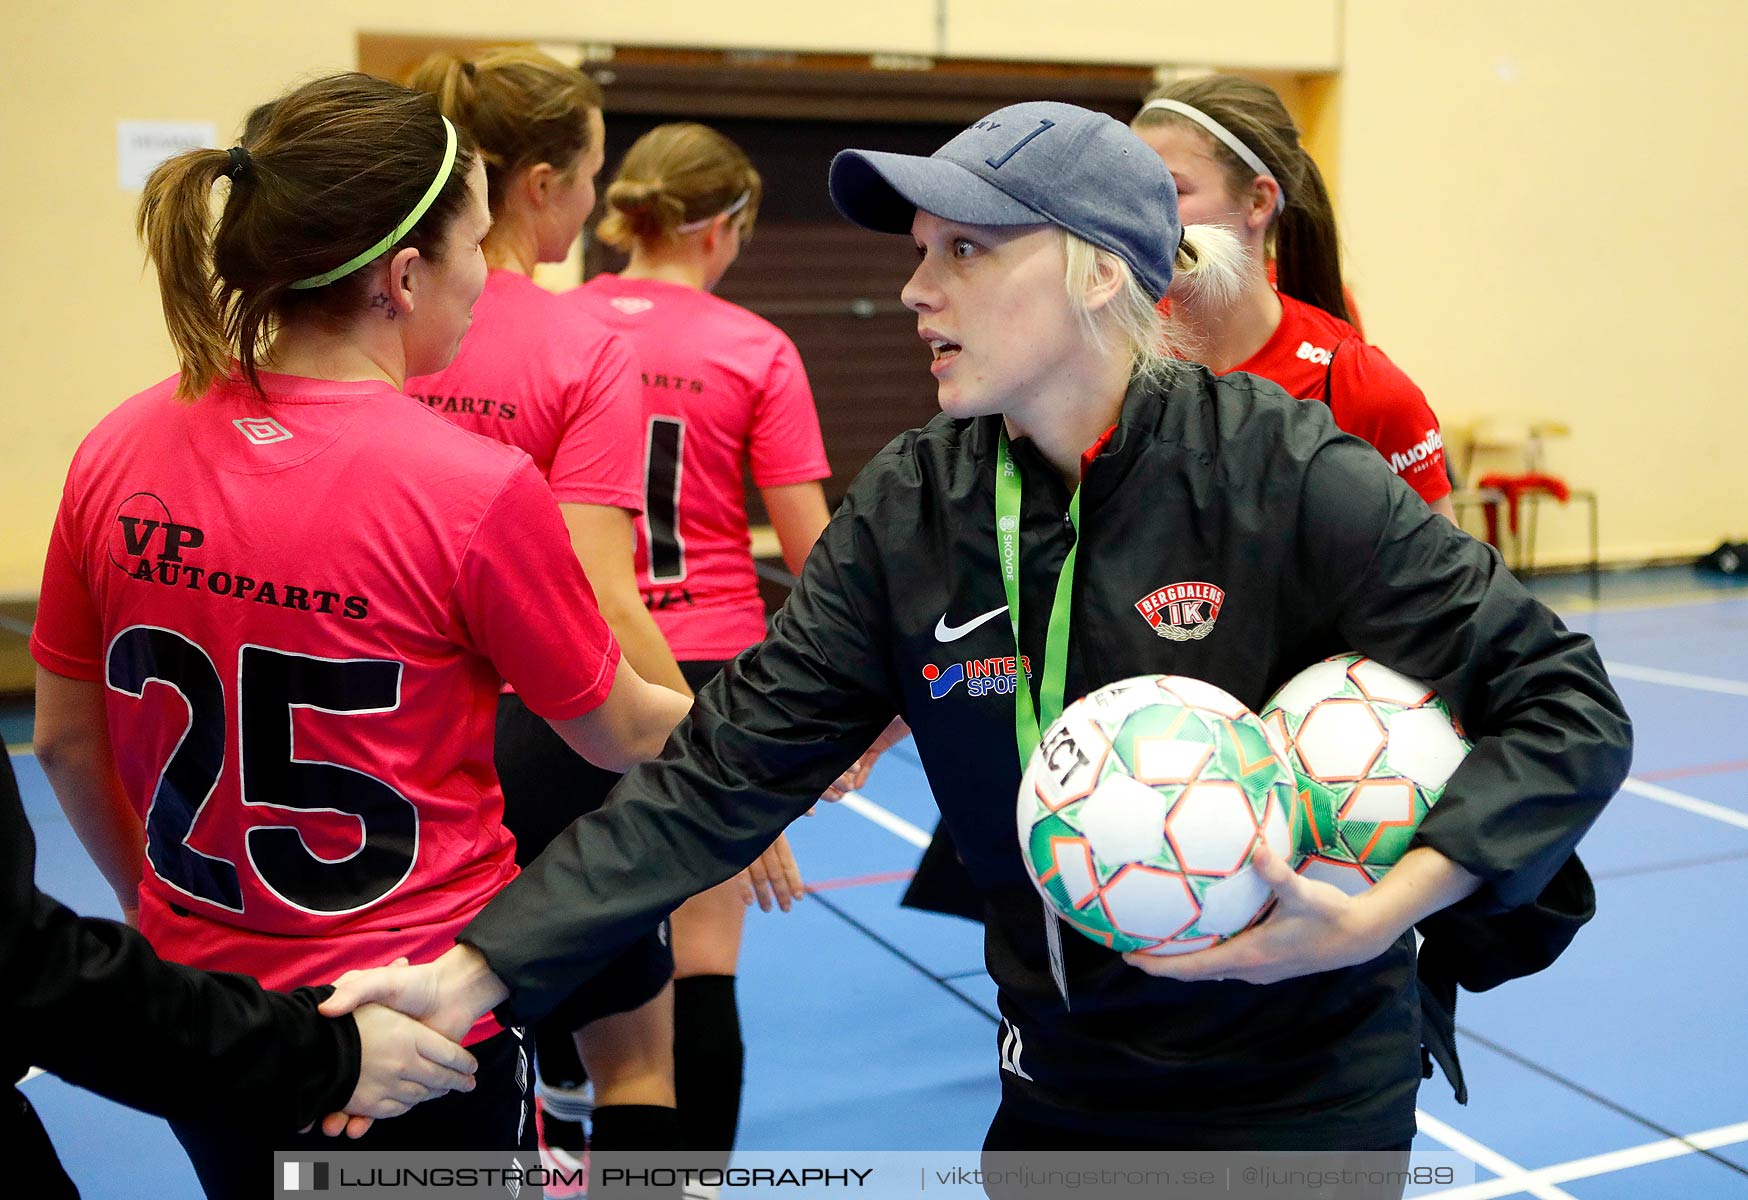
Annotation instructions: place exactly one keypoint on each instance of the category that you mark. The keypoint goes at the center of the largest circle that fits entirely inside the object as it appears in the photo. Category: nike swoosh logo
(952, 633)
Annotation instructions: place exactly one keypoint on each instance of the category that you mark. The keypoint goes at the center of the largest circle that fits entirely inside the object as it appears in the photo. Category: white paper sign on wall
(141, 145)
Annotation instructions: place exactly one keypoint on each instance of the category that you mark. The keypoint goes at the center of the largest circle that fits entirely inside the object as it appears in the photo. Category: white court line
(893, 823)
(857, 803)
(1704, 808)
(1676, 599)
(31, 1074)
(1512, 1178)
(1698, 683)
(1600, 1164)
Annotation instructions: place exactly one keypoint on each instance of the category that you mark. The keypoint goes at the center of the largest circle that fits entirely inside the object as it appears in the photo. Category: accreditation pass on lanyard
(1029, 724)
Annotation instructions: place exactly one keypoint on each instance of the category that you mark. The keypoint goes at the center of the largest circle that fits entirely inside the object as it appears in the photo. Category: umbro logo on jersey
(262, 431)
(1314, 354)
(631, 305)
(952, 633)
(1182, 612)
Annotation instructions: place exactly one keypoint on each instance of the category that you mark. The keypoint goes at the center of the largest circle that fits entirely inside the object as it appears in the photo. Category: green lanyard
(1027, 725)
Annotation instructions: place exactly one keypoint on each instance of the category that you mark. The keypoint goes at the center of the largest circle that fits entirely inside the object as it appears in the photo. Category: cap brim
(882, 191)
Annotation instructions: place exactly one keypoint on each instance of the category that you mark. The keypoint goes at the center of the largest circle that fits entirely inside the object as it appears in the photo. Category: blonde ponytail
(522, 106)
(451, 79)
(1209, 272)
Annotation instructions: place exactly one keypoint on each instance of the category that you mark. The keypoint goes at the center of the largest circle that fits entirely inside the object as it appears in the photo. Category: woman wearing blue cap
(1072, 449)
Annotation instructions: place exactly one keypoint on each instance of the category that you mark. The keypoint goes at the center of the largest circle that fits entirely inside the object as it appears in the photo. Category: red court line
(832, 885)
(1723, 768)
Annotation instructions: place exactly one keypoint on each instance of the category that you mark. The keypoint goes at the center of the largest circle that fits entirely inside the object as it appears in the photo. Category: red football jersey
(722, 388)
(1319, 357)
(536, 373)
(302, 609)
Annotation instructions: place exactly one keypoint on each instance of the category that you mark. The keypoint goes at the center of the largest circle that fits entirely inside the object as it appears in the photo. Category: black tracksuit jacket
(91, 1001)
(1315, 548)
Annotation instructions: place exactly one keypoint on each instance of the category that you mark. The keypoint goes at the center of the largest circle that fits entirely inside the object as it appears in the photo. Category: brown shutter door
(833, 288)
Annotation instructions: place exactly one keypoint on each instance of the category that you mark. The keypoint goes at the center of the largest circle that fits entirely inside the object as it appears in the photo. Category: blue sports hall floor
(1617, 1074)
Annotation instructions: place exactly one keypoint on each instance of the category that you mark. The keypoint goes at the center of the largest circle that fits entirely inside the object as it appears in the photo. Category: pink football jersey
(302, 609)
(723, 388)
(536, 373)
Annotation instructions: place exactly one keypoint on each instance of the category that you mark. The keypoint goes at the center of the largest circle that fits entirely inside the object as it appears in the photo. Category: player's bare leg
(630, 1055)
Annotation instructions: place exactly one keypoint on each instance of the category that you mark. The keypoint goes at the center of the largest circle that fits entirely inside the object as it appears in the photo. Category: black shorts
(235, 1161)
(547, 785)
(699, 672)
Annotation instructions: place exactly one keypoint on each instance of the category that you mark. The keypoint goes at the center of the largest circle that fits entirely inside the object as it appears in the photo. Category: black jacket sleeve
(1552, 740)
(763, 739)
(90, 1001)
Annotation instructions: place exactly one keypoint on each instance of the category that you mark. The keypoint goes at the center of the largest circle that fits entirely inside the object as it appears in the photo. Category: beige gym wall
(1542, 206)
(1507, 182)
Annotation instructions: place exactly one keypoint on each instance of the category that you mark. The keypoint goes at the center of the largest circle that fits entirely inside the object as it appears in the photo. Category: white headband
(1227, 138)
(701, 222)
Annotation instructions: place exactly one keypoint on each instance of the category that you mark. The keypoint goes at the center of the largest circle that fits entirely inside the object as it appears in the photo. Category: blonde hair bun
(675, 175)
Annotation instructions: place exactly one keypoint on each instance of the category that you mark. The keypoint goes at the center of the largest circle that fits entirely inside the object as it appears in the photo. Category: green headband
(399, 231)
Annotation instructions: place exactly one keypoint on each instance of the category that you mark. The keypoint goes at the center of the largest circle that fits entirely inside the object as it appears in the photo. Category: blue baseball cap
(1041, 162)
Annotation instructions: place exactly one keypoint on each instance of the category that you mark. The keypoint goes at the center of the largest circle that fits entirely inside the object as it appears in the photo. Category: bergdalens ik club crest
(1182, 612)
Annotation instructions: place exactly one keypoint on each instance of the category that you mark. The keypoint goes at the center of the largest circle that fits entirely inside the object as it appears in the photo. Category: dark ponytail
(175, 224)
(1307, 251)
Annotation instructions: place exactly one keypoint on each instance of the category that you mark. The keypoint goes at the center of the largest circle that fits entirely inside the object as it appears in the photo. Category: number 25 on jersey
(271, 685)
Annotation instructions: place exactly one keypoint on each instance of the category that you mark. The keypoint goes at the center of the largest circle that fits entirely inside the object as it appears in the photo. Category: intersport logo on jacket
(1182, 612)
(981, 676)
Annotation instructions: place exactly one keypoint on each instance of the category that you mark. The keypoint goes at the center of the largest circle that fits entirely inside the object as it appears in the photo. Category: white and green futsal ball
(1371, 750)
(1141, 808)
